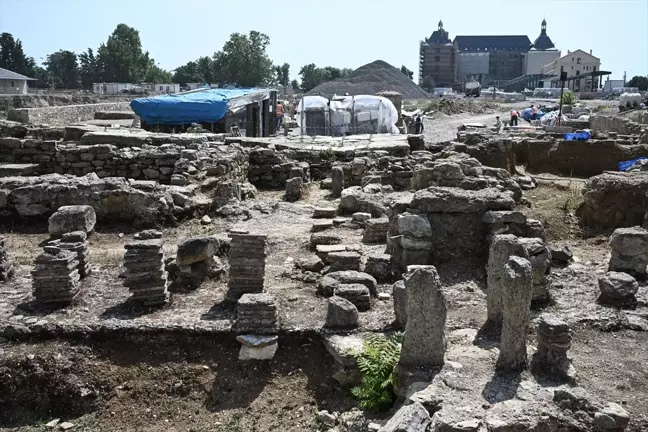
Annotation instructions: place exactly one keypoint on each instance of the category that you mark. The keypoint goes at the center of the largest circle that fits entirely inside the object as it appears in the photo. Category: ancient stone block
(357, 294)
(502, 248)
(247, 256)
(617, 288)
(324, 213)
(517, 287)
(341, 261)
(72, 218)
(376, 230)
(55, 278)
(399, 294)
(379, 266)
(337, 181)
(327, 285)
(554, 340)
(424, 343)
(341, 313)
(629, 251)
(145, 275)
(540, 259)
(294, 189)
(257, 313)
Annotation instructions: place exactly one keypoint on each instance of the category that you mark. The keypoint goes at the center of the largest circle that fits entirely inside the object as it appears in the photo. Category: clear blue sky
(341, 33)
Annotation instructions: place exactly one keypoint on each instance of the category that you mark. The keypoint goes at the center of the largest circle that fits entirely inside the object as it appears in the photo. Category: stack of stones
(554, 340)
(145, 274)
(376, 230)
(55, 278)
(257, 313)
(247, 265)
(77, 242)
(357, 294)
(6, 265)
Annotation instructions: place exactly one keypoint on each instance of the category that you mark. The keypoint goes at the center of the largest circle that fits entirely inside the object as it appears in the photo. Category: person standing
(418, 124)
(280, 115)
(514, 118)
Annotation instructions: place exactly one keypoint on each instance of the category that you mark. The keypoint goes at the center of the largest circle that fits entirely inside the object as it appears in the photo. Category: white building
(576, 63)
(536, 60)
(118, 88)
(13, 83)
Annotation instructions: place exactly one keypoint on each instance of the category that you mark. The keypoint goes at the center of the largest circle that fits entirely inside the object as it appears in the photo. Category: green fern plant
(376, 363)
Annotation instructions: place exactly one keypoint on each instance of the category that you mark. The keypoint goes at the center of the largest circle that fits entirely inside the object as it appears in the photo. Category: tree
(283, 74)
(295, 85)
(311, 77)
(428, 84)
(244, 61)
(12, 56)
(407, 72)
(121, 58)
(157, 75)
(89, 69)
(641, 82)
(63, 69)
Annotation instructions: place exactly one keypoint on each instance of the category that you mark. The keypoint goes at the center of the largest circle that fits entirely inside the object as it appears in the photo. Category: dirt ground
(182, 375)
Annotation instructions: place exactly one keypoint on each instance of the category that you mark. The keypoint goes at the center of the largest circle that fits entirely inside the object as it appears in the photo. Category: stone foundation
(63, 115)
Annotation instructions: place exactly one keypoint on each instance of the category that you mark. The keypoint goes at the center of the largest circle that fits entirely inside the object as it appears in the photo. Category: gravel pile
(370, 79)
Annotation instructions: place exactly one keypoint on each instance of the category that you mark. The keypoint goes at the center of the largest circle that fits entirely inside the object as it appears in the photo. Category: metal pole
(562, 89)
(301, 117)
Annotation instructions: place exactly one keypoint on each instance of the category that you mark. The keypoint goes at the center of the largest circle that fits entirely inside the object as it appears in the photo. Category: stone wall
(614, 200)
(148, 162)
(136, 202)
(63, 115)
(619, 124)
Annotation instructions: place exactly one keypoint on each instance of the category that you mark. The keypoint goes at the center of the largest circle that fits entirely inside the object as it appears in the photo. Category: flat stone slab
(257, 340)
(342, 348)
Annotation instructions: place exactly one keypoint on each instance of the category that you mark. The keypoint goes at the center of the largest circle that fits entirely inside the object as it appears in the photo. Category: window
(437, 58)
(578, 60)
(572, 58)
(161, 88)
(594, 68)
(12, 84)
(572, 68)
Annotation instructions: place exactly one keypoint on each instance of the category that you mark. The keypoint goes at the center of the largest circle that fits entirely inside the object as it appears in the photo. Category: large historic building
(484, 58)
(438, 59)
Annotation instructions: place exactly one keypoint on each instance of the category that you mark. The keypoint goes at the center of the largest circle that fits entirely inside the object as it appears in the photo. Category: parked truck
(472, 88)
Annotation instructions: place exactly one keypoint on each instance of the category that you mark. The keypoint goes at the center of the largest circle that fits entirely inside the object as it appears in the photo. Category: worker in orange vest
(280, 115)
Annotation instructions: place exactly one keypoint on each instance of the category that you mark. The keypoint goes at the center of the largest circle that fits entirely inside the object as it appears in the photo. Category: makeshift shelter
(350, 115)
(215, 109)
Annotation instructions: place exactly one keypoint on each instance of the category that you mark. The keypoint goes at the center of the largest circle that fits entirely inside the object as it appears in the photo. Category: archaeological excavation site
(463, 279)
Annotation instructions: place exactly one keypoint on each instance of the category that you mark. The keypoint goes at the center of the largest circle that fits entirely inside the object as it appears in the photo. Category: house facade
(13, 83)
(576, 63)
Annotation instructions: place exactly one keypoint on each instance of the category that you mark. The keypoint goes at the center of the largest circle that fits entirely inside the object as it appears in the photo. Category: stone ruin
(247, 256)
(55, 277)
(428, 207)
(145, 275)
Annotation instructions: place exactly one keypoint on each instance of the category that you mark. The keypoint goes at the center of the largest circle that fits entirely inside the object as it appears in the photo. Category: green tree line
(242, 61)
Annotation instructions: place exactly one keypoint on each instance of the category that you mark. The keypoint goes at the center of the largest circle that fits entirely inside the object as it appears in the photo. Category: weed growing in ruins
(377, 362)
(574, 198)
(327, 155)
(568, 98)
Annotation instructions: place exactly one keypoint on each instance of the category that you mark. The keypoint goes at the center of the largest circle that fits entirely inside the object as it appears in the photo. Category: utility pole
(624, 78)
(563, 77)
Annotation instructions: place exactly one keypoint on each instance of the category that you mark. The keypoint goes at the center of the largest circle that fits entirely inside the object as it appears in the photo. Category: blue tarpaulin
(206, 106)
(625, 165)
(526, 114)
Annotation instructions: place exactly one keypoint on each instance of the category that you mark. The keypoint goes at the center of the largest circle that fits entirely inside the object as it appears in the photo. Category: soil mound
(370, 79)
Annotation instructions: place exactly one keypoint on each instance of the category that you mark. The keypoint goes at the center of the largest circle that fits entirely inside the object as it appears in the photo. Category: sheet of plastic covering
(203, 106)
(366, 108)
